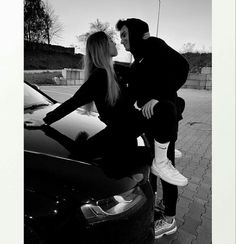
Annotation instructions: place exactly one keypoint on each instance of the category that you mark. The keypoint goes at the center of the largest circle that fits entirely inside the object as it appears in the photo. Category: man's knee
(165, 108)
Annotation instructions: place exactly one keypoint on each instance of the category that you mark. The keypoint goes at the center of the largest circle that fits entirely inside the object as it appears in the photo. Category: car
(71, 198)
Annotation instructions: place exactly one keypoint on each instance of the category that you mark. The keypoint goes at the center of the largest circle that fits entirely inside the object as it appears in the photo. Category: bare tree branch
(54, 27)
(98, 26)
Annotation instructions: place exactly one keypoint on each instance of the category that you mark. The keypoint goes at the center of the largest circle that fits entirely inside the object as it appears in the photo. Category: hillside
(43, 56)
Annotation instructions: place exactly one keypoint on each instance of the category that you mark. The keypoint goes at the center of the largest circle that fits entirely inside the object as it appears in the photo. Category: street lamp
(159, 7)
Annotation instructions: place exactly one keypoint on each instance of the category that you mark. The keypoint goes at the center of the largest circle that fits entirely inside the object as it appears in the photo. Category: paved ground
(194, 206)
(195, 200)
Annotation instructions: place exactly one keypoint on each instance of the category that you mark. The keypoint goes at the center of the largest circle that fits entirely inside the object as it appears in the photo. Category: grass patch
(45, 78)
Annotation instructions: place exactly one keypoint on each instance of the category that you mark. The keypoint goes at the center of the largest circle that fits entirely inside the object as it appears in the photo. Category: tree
(40, 22)
(98, 26)
(34, 20)
(188, 47)
(53, 27)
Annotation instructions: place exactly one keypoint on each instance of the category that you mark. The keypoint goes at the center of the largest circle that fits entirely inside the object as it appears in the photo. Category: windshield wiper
(34, 106)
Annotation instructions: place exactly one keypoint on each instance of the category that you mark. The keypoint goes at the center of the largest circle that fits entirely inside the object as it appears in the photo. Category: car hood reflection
(57, 140)
(66, 140)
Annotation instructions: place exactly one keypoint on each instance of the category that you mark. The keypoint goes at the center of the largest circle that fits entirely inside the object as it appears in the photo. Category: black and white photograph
(118, 141)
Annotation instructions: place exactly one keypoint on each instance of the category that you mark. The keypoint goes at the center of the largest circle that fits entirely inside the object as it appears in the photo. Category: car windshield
(33, 98)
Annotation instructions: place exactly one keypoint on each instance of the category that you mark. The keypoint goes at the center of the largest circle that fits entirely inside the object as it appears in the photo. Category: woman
(102, 89)
(100, 86)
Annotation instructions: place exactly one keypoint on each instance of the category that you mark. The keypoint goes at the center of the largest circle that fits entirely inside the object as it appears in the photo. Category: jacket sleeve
(84, 95)
(177, 67)
(182, 70)
(166, 70)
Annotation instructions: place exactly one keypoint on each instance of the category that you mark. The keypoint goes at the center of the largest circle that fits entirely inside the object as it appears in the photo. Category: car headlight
(113, 207)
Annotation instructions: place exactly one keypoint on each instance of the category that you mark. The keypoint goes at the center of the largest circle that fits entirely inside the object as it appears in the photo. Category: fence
(194, 81)
(70, 77)
(200, 81)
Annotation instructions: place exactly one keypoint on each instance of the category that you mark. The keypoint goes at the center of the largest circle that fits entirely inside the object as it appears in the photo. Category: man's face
(124, 36)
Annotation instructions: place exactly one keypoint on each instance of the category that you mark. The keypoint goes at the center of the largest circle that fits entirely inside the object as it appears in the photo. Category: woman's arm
(84, 95)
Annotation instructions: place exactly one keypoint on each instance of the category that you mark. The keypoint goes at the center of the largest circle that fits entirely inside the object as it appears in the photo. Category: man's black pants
(117, 140)
(170, 192)
(162, 127)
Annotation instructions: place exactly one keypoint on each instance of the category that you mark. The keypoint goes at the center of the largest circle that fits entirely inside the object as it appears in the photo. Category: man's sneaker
(178, 154)
(164, 228)
(167, 172)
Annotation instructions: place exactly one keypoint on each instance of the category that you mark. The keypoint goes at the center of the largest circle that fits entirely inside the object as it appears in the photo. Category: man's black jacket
(158, 73)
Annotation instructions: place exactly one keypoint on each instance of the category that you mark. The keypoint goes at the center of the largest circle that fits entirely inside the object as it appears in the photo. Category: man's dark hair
(136, 25)
(137, 28)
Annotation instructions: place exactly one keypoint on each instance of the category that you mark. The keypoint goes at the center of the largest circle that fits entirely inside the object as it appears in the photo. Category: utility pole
(158, 16)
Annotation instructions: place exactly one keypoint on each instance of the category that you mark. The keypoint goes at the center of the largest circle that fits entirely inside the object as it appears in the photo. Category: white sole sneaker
(173, 181)
(167, 233)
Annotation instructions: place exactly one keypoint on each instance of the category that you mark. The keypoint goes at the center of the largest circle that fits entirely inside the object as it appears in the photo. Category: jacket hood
(137, 28)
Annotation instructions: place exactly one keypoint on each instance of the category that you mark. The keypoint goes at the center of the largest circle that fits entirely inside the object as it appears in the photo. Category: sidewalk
(195, 200)
(194, 141)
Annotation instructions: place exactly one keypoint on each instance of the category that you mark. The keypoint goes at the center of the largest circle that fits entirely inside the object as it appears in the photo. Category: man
(157, 72)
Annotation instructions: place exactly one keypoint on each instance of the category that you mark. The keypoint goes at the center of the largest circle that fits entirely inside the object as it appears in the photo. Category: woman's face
(112, 47)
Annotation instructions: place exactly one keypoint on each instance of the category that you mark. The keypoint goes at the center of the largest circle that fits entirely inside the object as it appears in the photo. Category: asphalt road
(59, 93)
(194, 206)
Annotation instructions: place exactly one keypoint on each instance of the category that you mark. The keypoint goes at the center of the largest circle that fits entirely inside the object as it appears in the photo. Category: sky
(180, 21)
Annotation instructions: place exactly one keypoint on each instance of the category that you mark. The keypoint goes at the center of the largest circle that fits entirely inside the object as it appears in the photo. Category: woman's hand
(147, 109)
(34, 123)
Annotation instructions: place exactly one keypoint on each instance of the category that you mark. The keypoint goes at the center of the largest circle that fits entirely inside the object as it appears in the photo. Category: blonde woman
(100, 86)
(102, 89)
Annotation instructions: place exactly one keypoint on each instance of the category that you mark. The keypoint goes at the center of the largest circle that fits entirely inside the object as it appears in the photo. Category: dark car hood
(48, 153)
(57, 140)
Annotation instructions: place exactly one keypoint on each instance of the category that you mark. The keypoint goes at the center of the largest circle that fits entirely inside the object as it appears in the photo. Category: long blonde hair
(98, 56)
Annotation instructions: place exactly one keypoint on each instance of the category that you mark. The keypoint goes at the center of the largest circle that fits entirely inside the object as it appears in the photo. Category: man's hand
(147, 109)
